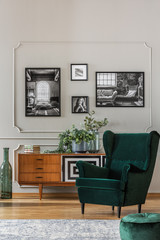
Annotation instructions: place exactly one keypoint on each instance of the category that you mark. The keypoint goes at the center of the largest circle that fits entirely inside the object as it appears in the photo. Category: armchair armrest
(91, 171)
(135, 183)
(130, 169)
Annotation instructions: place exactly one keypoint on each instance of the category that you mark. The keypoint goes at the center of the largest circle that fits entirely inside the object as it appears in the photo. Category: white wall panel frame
(43, 43)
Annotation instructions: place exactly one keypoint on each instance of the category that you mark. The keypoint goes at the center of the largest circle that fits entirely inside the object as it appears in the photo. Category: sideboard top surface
(68, 154)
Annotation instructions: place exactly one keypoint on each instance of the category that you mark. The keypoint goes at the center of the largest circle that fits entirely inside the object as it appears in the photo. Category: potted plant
(65, 142)
(74, 140)
(80, 139)
(92, 125)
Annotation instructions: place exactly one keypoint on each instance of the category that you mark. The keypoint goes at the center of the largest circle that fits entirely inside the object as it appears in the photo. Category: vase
(79, 147)
(93, 145)
(6, 176)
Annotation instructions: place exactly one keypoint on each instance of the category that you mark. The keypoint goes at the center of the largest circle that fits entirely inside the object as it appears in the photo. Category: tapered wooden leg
(40, 191)
(112, 208)
(82, 207)
(119, 212)
(139, 208)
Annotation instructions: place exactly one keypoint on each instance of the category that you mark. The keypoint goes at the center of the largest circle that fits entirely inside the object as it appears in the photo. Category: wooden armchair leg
(112, 208)
(82, 207)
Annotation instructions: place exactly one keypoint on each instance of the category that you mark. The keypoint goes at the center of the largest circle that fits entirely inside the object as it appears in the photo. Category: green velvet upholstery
(99, 183)
(125, 179)
(140, 226)
(88, 170)
(112, 197)
(128, 148)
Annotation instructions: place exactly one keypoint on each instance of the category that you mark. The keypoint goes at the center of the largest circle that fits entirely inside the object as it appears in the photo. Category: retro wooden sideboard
(52, 169)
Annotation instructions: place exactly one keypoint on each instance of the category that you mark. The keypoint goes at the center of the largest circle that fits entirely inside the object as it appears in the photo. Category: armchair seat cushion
(100, 183)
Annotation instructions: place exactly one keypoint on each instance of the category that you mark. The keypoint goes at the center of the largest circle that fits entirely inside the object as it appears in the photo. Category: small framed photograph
(42, 87)
(80, 104)
(120, 89)
(79, 72)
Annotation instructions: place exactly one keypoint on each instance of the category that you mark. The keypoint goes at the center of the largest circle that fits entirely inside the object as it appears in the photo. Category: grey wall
(106, 34)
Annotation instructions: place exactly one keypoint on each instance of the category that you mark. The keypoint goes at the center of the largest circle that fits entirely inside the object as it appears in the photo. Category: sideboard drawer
(39, 163)
(39, 177)
(32, 167)
(40, 158)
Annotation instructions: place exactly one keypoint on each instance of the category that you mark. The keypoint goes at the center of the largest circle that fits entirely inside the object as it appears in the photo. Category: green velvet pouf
(140, 226)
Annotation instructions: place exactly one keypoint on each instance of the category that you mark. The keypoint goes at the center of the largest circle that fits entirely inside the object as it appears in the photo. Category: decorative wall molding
(19, 44)
(14, 163)
(150, 85)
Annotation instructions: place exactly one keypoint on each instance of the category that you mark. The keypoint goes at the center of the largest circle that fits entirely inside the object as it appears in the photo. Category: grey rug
(59, 229)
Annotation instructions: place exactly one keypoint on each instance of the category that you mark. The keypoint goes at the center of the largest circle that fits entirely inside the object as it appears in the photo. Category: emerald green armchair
(125, 179)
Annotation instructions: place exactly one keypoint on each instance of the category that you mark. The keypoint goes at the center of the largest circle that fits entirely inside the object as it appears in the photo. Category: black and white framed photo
(79, 72)
(80, 104)
(119, 89)
(42, 92)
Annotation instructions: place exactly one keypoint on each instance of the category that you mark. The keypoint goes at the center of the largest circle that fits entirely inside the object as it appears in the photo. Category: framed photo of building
(80, 104)
(79, 72)
(42, 88)
(119, 89)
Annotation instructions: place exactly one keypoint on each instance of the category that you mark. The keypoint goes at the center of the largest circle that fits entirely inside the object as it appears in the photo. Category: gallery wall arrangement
(78, 82)
(113, 89)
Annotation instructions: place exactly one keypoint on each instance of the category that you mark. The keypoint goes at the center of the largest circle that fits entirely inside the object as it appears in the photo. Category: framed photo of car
(80, 104)
(79, 72)
(42, 88)
(119, 89)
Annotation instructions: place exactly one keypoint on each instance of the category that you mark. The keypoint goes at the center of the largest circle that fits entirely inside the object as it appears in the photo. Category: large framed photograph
(80, 104)
(42, 92)
(79, 72)
(119, 89)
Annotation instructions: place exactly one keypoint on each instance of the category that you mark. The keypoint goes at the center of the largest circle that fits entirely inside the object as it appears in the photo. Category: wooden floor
(65, 206)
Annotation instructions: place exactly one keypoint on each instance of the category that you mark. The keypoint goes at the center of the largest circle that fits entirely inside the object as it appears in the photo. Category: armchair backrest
(129, 148)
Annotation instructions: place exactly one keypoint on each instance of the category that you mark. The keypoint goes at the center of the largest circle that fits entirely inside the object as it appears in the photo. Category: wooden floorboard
(65, 206)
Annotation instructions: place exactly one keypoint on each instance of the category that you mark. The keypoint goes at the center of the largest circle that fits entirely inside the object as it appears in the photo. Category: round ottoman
(140, 226)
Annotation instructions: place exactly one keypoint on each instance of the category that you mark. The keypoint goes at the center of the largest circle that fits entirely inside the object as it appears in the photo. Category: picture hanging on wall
(80, 104)
(79, 72)
(42, 92)
(119, 89)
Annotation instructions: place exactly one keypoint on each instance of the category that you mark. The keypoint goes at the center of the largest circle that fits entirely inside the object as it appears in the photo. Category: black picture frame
(78, 107)
(42, 92)
(120, 89)
(79, 72)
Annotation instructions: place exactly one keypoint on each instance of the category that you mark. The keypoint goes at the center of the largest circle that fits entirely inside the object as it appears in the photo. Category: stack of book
(36, 149)
(28, 148)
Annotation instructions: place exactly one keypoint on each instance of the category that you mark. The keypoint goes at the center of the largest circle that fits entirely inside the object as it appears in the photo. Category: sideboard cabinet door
(69, 169)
